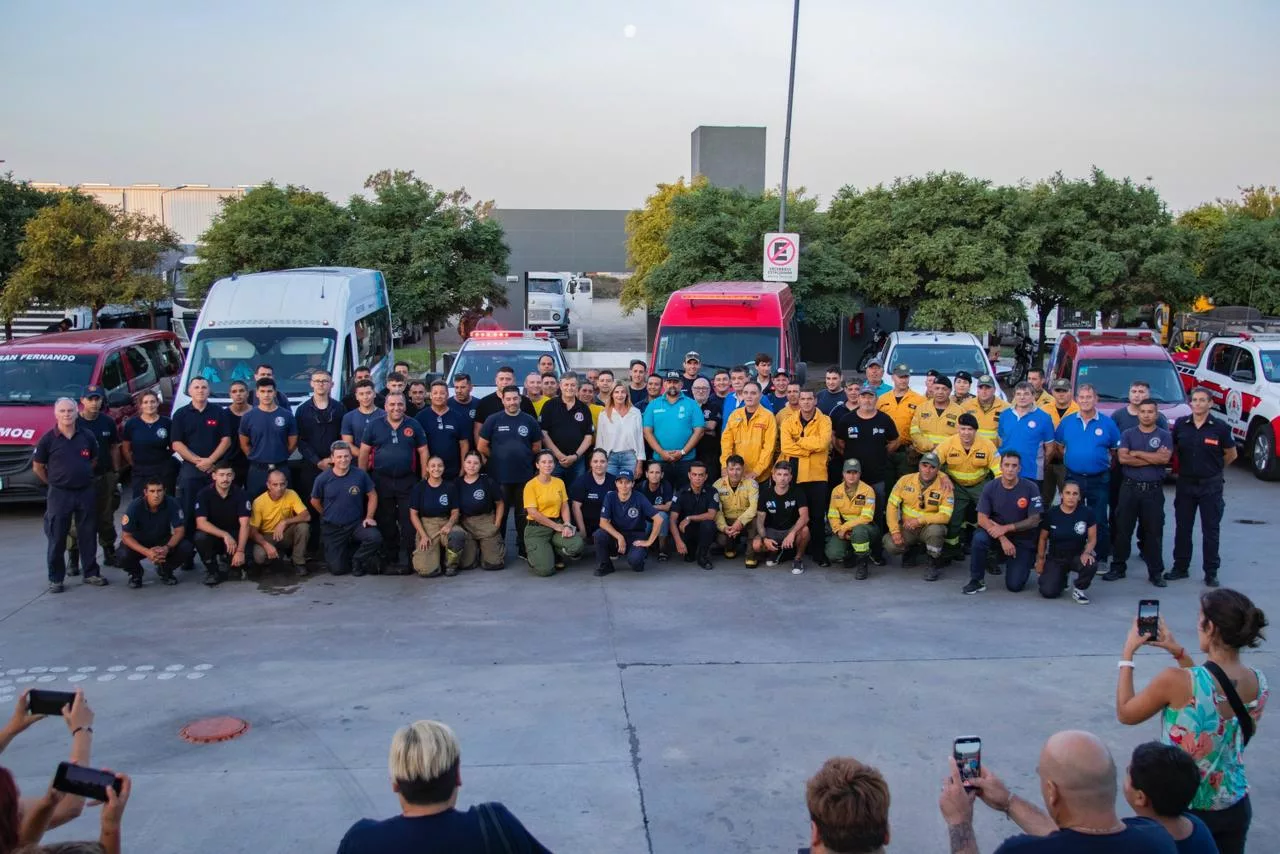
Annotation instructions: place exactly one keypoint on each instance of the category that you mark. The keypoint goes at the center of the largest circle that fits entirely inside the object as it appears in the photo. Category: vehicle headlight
(555, 316)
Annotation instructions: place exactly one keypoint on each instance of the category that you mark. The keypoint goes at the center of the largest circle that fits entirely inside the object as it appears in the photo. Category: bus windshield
(39, 379)
(222, 356)
(720, 348)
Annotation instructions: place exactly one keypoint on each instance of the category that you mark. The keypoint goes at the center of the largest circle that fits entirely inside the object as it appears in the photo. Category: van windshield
(39, 379)
(720, 348)
(1112, 377)
(222, 356)
(546, 286)
(946, 359)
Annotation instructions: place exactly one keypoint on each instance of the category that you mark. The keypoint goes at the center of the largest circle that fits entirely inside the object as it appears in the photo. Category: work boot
(1176, 573)
(934, 572)
(604, 569)
(96, 581)
(850, 561)
(212, 578)
(1115, 573)
(877, 559)
(135, 580)
(1211, 579)
(167, 578)
(1158, 581)
(862, 570)
(56, 587)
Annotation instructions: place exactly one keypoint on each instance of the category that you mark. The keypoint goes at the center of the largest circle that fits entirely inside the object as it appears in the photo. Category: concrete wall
(555, 240)
(730, 156)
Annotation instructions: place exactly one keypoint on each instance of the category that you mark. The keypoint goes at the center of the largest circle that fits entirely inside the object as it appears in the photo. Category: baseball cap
(92, 391)
(901, 371)
(876, 361)
(867, 388)
(966, 376)
(986, 379)
(671, 375)
(692, 356)
(931, 459)
(849, 465)
(1061, 385)
(625, 474)
(942, 380)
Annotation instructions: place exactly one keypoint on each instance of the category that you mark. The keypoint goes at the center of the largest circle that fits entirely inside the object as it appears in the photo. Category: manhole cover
(210, 730)
(1250, 522)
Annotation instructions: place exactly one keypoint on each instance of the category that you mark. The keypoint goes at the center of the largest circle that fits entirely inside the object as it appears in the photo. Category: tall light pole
(164, 193)
(786, 140)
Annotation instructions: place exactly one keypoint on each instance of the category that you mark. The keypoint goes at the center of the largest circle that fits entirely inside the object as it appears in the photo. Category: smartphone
(86, 782)
(968, 753)
(40, 702)
(1149, 618)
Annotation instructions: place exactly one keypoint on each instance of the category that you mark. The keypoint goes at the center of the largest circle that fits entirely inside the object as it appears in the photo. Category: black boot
(911, 557)
(73, 562)
(934, 572)
(862, 570)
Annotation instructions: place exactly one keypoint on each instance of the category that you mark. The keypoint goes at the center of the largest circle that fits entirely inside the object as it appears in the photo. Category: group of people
(418, 477)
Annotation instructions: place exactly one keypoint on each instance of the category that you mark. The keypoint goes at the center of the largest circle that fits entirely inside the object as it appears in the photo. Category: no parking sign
(781, 257)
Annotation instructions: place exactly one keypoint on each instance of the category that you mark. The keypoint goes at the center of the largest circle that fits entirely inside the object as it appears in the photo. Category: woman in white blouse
(620, 433)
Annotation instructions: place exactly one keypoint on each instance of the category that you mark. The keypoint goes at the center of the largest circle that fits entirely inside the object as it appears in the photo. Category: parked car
(1111, 360)
(486, 350)
(36, 371)
(947, 353)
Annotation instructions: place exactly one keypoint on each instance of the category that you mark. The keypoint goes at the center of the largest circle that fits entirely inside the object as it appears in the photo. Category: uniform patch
(162, 433)
(1022, 503)
(633, 513)
(478, 495)
(124, 520)
(577, 416)
(1081, 527)
(353, 490)
(444, 500)
(1097, 431)
(1031, 424)
(408, 432)
(522, 430)
(1153, 442)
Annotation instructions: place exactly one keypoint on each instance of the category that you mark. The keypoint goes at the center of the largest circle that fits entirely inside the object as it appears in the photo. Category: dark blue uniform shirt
(444, 435)
(1009, 506)
(318, 428)
(1200, 449)
(1068, 532)
(200, 431)
(434, 501)
(663, 495)
(149, 527)
(630, 518)
(69, 461)
(394, 449)
(478, 498)
(149, 444)
(1134, 439)
(467, 409)
(104, 430)
(355, 422)
(511, 439)
(268, 434)
(343, 497)
(591, 494)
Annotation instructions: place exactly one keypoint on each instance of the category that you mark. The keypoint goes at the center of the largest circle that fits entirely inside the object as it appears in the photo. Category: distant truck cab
(727, 324)
(296, 321)
(36, 371)
(547, 297)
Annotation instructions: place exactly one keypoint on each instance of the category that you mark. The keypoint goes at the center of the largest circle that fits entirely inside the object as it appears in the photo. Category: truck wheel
(1262, 452)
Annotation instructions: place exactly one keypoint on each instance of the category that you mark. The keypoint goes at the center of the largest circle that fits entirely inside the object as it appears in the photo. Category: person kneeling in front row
(629, 526)
(346, 501)
(693, 517)
(482, 512)
(433, 512)
(1068, 534)
(851, 516)
(153, 529)
(549, 539)
(280, 524)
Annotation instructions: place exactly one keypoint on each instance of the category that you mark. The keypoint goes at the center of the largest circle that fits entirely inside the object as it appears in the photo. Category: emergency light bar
(720, 299)
(498, 334)
(1264, 336)
(1118, 335)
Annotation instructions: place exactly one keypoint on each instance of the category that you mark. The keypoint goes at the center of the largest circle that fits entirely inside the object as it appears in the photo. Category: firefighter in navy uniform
(394, 451)
(106, 474)
(1205, 448)
(154, 529)
(64, 459)
(201, 436)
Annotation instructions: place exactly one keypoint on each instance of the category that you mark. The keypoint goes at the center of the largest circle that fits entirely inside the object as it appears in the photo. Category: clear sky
(589, 103)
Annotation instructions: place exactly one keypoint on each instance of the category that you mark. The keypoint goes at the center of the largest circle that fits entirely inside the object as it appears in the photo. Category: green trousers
(965, 514)
(859, 543)
(544, 546)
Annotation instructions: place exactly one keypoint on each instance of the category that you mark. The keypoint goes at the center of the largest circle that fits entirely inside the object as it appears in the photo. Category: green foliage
(647, 232)
(439, 251)
(79, 252)
(270, 228)
(19, 201)
(1243, 267)
(717, 234)
(936, 248)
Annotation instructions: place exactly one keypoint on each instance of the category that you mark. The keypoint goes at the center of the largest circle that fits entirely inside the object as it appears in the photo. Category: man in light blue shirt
(673, 424)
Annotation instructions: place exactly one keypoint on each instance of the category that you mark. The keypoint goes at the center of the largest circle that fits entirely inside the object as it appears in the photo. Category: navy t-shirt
(591, 494)
(69, 461)
(1134, 439)
(1124, 420)
(1068, 532)
(630, 518)
(434, 501)
(480, 497)
(394, 449)
(664, 494)
(223, 513)
(511, 439)
(444, 434)
(234, 455)
(1008, 506)
(149, 444)
(1200, 841)
(1140, 836)
(152, 528)
(343, 497)
(450, 832)
(354, 423)
(104, 430)
(467, 409)
(201, 431)
(268, 434)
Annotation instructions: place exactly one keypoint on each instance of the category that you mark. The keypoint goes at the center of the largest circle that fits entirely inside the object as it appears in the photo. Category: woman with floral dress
(1195, 713)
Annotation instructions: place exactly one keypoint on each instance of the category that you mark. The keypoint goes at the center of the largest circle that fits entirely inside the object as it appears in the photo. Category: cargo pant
(934, 538)
(426, 562)
(546, 547)
(483, 541)
(858, 545)
(293, 544)
(964, 518)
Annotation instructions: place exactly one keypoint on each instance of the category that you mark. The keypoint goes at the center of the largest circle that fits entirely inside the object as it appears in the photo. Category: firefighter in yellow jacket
(970, 461)
(739, 503)
(752, 433)
(851, 517)
(935, 420)
(986, 407)
(806, 442)
(919, 510)
(901, 404)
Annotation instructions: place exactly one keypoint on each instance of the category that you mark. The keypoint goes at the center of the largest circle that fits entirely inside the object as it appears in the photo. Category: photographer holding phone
(79, 720)
(1210, 711)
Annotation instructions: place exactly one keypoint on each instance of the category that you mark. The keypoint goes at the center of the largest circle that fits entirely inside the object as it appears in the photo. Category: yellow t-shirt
(538, 404)
(596, 409)
(549, 498)
(266, 514)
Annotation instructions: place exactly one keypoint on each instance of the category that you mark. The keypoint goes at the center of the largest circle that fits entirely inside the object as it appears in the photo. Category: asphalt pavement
(672, 711)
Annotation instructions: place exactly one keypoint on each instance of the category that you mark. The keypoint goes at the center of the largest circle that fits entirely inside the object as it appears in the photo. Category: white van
(296, 321)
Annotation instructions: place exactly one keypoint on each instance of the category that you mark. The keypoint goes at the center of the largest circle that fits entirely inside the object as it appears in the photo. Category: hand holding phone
(968, 755)
(85, 782)
(41, 702)
(1149, 618)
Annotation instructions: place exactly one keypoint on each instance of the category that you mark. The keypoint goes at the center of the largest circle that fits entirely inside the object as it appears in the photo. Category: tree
(270, 228)
(79, 252)
(647, 231)
(19, 201)
(439, 251)
(937, 249)
(1243, 267)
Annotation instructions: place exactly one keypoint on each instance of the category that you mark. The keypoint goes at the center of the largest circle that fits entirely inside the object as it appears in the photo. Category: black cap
(942, 380)
(964, 375)
(672, 375)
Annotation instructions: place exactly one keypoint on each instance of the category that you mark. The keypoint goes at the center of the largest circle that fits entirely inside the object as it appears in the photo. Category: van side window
(373, 338)
(143, 372)
(348, 368)
(158, 353)
(113, 373)
(1220, 358)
